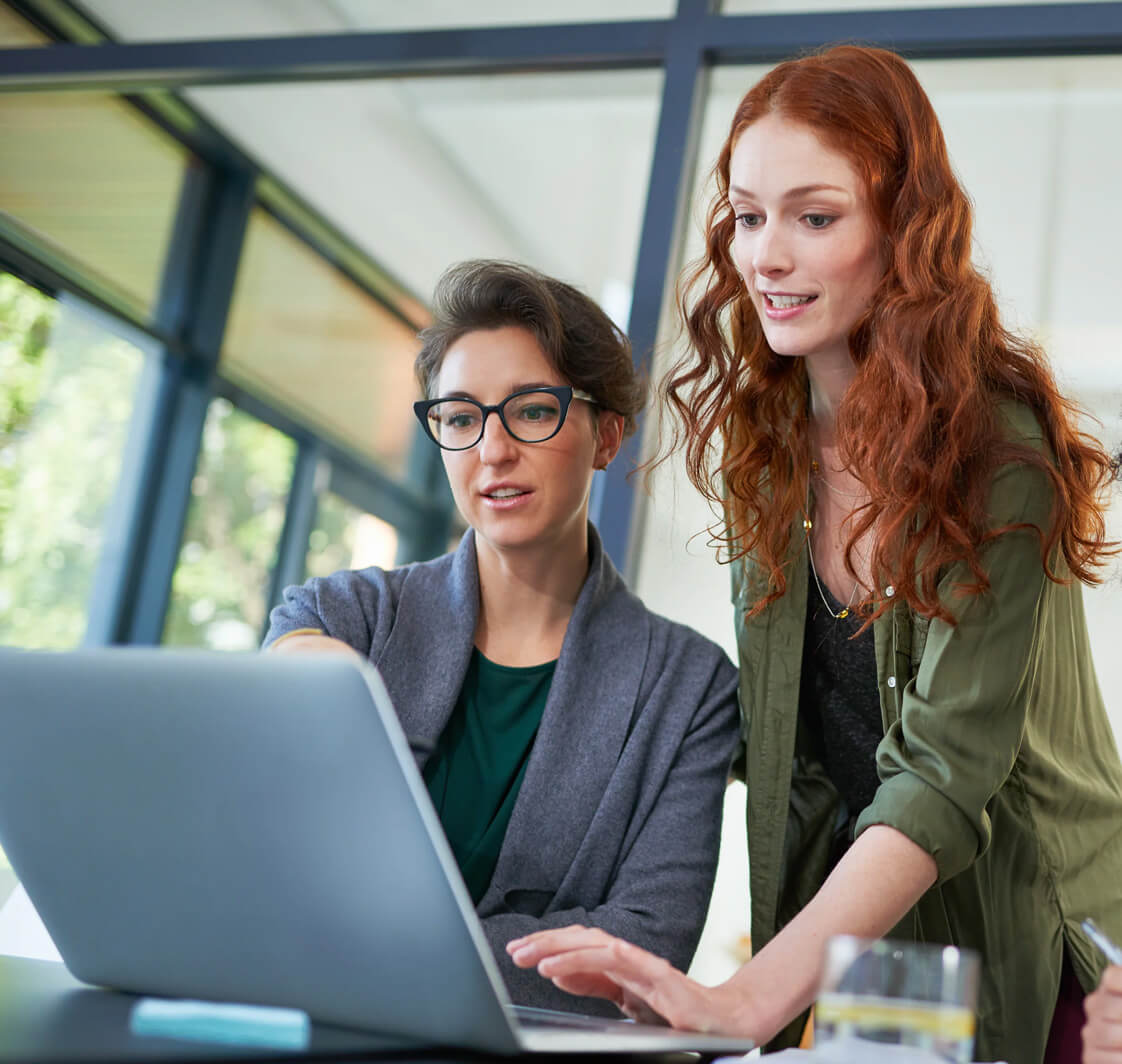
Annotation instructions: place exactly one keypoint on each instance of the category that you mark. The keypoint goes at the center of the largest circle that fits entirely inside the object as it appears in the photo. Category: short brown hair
(578, 338)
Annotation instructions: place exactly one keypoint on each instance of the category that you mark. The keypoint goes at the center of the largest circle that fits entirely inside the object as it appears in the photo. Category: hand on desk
(590, 962)
(1102, 1033)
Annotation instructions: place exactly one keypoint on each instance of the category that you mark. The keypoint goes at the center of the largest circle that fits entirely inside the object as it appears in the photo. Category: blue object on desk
(212, 1021)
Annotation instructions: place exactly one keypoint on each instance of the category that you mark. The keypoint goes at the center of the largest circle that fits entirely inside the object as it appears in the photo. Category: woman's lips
(507, 498)
(782, 306)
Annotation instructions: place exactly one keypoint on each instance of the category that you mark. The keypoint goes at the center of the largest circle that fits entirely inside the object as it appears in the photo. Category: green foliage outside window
(26, 316)
(233, 528)
(67, 389)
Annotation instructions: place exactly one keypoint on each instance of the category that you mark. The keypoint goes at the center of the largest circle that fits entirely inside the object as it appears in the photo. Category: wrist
(746, 1008)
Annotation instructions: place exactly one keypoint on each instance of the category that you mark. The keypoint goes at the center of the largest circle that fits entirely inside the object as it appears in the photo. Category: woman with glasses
(912, 510)
(576, 745)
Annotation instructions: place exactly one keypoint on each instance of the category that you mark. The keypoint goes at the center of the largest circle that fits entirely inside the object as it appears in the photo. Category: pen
(1111, 951)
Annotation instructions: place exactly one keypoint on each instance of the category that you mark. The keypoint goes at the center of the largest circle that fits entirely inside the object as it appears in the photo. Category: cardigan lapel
(588, 716)
(426, 657)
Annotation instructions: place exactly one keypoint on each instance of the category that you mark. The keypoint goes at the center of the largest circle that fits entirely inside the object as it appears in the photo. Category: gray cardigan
(617, 823)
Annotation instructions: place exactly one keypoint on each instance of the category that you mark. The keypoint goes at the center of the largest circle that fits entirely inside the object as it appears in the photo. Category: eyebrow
(515, 388)
(792, 193)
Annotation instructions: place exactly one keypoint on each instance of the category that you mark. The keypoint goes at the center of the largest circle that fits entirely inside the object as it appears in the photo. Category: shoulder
(1023, 485)
(364, 586)
(350, 593)
(389, 587)
(1018, 423)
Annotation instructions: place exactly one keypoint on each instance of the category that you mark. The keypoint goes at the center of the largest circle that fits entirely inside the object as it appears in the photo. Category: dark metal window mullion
(134, 583)
(672, 165)
(299, 520)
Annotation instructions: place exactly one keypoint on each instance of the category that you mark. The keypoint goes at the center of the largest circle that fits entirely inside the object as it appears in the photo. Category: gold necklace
(817, 469)
(808, 524)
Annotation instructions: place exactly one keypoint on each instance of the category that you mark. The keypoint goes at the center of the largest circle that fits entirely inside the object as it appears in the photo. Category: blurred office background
(220, 223)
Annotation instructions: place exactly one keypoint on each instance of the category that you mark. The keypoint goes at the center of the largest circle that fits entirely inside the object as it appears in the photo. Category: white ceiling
(550, 170)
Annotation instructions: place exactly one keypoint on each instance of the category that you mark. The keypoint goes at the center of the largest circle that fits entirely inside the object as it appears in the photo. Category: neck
(526, 598)
(830, 375)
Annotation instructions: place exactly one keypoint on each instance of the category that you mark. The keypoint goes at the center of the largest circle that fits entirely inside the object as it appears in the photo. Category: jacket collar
(425, 659)
(592, 701)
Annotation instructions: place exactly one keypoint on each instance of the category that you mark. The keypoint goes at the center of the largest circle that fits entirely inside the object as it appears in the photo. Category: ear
(609, 437)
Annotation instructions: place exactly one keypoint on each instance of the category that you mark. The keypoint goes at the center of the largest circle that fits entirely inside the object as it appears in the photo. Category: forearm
(872, 888)
(309, 641)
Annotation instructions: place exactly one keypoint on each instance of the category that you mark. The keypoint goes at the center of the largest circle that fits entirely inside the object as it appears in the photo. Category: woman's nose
(496, 444)
(771, 253)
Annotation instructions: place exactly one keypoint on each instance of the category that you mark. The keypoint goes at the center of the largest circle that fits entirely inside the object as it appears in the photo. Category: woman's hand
(590, 962)
(772, 988)
(1102, 1033)
(309, 642)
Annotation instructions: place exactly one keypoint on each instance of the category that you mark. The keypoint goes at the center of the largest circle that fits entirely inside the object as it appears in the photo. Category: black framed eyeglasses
(531, 415)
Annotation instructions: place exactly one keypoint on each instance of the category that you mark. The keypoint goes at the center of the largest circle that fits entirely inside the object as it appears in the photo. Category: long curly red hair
(919, 425)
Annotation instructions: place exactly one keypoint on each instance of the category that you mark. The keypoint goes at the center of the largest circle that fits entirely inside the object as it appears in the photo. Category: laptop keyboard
(526, 1016)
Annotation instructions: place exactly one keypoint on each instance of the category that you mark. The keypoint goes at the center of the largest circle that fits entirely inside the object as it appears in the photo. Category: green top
(475, 773)
(998, 759)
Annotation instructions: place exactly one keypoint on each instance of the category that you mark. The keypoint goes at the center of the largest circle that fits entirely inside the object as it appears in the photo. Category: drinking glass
(898, 994)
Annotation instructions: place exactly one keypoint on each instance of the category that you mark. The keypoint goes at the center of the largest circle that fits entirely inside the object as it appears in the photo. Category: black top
(838, 700)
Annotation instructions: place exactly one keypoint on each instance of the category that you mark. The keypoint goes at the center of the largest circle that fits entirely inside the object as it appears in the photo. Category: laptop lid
(240, 828)
(252, 828)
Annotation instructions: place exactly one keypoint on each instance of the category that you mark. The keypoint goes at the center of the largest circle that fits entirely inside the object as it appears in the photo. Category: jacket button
(889, 591)
(892, 681)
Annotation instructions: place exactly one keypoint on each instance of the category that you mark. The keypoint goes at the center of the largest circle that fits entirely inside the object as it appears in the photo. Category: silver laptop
(252, 828)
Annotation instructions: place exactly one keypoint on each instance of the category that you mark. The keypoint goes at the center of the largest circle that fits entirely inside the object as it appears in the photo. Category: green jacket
(998, 759)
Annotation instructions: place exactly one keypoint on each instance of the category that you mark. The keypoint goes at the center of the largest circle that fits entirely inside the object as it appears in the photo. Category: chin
(794, 348)
(509, 537)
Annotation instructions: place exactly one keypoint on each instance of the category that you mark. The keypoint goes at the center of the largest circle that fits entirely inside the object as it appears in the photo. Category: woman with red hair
(911, 512)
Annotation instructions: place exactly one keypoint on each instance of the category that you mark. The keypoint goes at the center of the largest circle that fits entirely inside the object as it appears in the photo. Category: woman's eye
(818, 221)
(748, 220)
(460, 420)
(534, 413)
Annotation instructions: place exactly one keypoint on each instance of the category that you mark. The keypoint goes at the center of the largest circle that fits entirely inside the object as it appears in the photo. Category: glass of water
(897, 994)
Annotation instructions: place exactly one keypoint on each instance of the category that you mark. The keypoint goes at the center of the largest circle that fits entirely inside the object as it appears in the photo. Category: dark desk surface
(48, 1017)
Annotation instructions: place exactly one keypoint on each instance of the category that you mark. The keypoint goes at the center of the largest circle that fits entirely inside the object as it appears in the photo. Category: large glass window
(89, 179)
(67, 387)
(305, 336)
(234, 523)
(346, 537)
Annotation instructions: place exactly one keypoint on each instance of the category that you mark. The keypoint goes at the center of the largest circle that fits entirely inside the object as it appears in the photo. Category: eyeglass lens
(530, 417)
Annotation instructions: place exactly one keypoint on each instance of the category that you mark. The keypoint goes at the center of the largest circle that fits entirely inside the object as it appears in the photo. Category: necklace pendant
(807, 524)
(844, 613)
